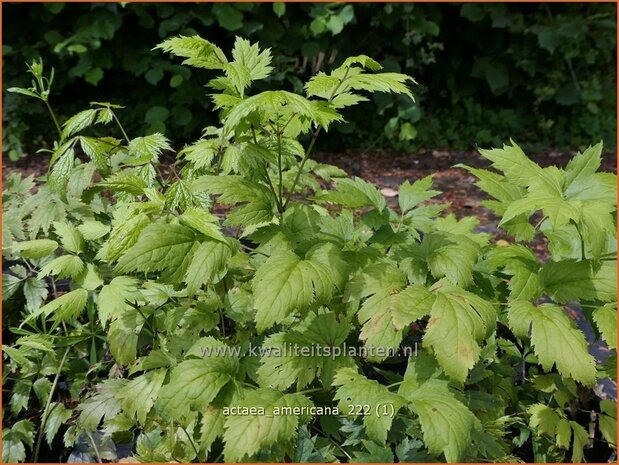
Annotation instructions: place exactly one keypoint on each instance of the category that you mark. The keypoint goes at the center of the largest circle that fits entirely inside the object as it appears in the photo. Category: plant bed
(312, 320)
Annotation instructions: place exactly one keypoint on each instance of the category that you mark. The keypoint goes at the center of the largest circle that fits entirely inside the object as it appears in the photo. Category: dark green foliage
(542, 73)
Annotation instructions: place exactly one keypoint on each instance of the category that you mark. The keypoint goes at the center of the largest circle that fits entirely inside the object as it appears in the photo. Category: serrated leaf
(447, 424)
(35, 292)
(124, 181)
(37, 248)
(211, 427)
(555, 339)
(123, 335)
(58, 416)
(354, 193)
(462, 318)
(198, 51)
(356, 389)
(255, 61)
(451, 255)
(584, 164)
(234, 190)
(568, 280)
(61, 170)
(78, 122)
(410, 195)
(512, 161)
(245, 435)
(65, 307)
(125, 233)
(286, 283)
(208, 265)
(70, 237)
(161, 247)
(387, 313)
(280, 367)
(92, 230)
(606, 320)
(146, 149)
(65, 266)
(194, 383)
(102, 405)
(113, 297)
(203, 222)
(138, 396)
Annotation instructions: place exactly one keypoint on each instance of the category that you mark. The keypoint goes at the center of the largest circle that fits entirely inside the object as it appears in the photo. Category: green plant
(316, 323)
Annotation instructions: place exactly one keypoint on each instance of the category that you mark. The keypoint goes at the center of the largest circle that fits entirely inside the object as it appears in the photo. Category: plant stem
(51, 112)
(309, 391)
(94, 446)
(394, 384)
(311, 145)
(46, 410)
(195, 449)
(280, 174)
(305, 157)
(121, 127)
(583, 254)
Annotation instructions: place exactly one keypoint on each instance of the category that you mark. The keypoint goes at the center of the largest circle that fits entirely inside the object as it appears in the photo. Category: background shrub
(541, 73)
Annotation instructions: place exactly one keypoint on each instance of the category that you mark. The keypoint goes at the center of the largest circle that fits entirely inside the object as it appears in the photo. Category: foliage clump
(139, 316)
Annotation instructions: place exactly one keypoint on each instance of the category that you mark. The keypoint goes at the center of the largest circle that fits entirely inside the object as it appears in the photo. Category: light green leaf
(112, 300)
(354, 193)
(355, 389)
(92, 230)
(138, 396)
(462, 318)
(199, 52)
(447, 424)
(286, 283)
(78, 122)
(281, 367)
(386, 315)
(125, 233)
(208, 265)
(194, 383)
(555, 339)
(203, 222)
(145, 149)
(584, 164)
(512, 161)
(245, 435)
(70, 237)
(249, 56)
(65, 266)
(412, 194)
(37, 248)
(161, 247)
(606, 320)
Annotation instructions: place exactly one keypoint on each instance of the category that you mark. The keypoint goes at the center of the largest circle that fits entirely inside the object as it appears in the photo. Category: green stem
(94, 446)
(309, 391)
(305, 157)
(195, 449)
(394, 384)
(280, 173)
(311, 145)
(46, 410)
(51, 112)
(583, 254)
(121, 127)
